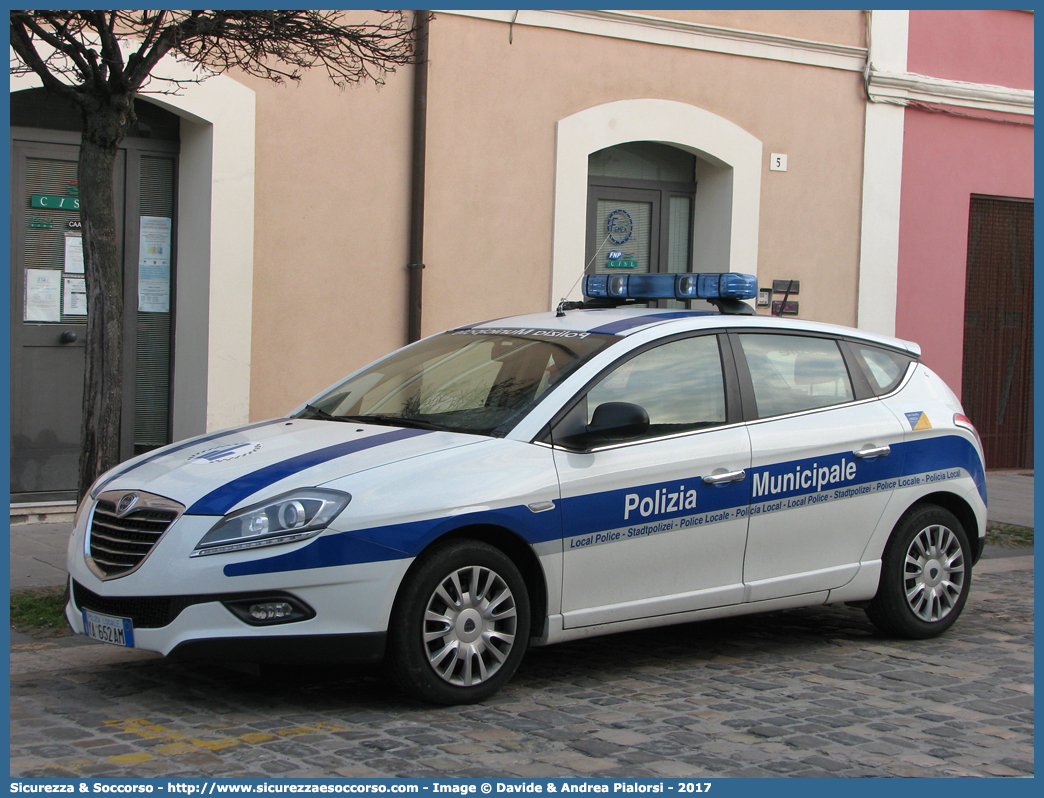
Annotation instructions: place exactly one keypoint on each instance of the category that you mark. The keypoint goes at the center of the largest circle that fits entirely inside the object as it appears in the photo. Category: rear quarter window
(884, 368)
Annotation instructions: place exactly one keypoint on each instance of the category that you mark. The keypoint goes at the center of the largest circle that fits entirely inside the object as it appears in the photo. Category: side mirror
(619, 421)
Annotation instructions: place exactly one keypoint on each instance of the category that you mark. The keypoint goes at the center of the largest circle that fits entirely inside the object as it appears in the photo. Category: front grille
(119, 544)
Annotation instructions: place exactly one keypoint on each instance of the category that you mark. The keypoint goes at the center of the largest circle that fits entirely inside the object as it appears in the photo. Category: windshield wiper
(318, 412)
(393, 421)
(388, 421)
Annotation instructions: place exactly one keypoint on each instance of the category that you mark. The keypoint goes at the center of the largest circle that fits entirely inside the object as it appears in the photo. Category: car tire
(926, 574)
(460, 624)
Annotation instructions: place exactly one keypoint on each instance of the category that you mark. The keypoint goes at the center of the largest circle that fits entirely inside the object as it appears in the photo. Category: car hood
(217, 473)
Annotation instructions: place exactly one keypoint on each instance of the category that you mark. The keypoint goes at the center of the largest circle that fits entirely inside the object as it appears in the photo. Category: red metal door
(998, 329)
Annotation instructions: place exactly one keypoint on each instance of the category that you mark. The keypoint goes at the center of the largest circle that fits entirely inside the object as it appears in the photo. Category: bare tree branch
(272, 45)
(21, 43)
(154, 25)
(112, 56)
(26, 28)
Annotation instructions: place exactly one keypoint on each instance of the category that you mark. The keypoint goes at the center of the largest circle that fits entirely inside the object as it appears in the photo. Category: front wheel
(925, 575)
(460, 624)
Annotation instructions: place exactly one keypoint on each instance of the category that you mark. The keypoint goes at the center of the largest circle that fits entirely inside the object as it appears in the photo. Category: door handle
(719, 479)
(878, 451)
(68, 337)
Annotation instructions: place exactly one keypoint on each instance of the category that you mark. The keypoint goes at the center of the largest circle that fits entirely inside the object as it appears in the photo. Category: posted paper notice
(154, 264)
(74, 299)
(73, 253)
(43, 295)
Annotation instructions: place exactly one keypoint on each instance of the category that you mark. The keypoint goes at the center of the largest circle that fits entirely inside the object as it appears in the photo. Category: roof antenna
(565, 305)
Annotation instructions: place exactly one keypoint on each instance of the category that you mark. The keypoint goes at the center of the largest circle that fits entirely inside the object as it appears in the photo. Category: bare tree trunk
(105, 126)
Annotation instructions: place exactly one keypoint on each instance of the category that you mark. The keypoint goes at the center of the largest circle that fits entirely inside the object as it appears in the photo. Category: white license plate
(108, 629)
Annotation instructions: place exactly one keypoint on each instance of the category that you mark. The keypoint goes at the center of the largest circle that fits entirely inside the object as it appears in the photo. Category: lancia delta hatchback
(538, 479)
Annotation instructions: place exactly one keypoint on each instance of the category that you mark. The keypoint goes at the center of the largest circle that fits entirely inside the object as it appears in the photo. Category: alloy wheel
(934, 573)
(469, 625)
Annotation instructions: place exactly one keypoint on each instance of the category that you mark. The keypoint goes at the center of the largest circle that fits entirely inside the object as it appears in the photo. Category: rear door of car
(822, 465)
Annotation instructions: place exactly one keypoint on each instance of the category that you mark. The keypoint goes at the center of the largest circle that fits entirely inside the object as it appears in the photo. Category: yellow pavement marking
(257, 737)
(174, 749)
(180, 743)
(321, 727)
(131, 759)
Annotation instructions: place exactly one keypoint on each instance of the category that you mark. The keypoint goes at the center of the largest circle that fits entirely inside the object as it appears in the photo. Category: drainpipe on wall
(420, 107)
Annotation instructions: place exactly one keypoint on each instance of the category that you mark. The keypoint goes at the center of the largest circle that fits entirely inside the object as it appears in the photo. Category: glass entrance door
(48, 320)
(620, 230)
(48, 301)
(640, 211)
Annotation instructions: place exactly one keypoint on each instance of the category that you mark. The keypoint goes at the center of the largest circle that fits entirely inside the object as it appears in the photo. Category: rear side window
(792, 373)
(884, 368)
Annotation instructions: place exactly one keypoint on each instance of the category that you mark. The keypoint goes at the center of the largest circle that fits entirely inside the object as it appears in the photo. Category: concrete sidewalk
(38, 553)
(38, 550)
(1011, 498)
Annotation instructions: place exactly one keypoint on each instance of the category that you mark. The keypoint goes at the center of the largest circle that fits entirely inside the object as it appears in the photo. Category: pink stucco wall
(994, 47)
(945, 160)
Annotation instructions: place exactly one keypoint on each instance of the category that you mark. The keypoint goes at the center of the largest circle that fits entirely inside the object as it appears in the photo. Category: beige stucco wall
(492, 113)
(330, 248)
(332, 182)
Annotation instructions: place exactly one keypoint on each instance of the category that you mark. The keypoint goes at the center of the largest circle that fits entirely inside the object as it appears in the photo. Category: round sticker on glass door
(619, 226)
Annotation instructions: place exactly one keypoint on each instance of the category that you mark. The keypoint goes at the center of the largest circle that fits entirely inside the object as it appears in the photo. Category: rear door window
(793, 373)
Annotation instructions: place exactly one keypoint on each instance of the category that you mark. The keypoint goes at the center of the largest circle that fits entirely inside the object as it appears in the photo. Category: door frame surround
(214, 291)
(728, 171)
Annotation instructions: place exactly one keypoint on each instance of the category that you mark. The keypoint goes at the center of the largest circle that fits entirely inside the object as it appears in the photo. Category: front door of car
(654, 519)
(822, 465)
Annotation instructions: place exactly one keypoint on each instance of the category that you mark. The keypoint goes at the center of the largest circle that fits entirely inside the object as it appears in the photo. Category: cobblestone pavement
(811, 692)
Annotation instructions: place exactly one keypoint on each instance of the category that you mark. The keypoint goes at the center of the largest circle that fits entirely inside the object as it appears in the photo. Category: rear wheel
(925, 575)
(460, 624)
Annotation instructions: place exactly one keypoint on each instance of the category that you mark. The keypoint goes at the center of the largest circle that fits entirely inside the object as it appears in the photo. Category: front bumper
(202, 627)
(175, 602)
(348, 649)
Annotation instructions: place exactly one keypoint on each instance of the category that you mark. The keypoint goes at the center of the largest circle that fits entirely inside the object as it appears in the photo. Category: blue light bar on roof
(729, 285)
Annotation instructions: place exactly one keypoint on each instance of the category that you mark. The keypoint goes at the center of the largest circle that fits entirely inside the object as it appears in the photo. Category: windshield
(477, 381)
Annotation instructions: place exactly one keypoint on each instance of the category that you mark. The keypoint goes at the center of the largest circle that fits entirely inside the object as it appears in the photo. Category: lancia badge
(126, 504)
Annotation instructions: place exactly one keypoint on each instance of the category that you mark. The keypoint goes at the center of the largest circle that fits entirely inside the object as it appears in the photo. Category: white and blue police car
(541, 478)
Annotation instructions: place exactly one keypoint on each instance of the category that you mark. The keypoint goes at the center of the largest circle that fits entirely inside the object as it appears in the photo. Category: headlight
(297, 515)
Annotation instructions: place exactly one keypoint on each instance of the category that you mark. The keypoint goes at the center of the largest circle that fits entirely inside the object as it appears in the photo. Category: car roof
(624, 321)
